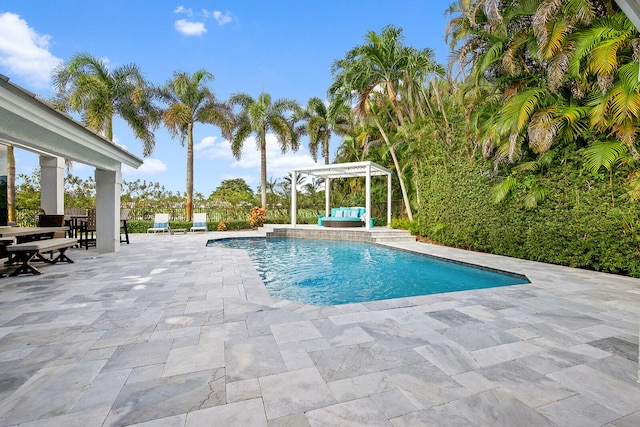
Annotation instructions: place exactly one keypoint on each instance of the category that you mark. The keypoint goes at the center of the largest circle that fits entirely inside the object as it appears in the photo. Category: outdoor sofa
(343, 217)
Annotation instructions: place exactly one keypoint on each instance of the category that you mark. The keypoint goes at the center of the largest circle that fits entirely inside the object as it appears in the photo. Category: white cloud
(25, 53)
(209, 141)
(182, 9)
(278, 165)
(116, 140)
(149, 167)
(208, 148)
(189, 28)
(222, 18)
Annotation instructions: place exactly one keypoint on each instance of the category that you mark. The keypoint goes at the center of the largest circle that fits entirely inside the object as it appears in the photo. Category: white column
(327, 199)
(389, 200)
(52, 185)
(108, 186)
(294, 201)
(3, 182)
(367, 206)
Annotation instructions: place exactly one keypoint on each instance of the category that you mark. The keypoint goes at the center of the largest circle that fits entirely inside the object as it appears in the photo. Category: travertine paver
(168, 332)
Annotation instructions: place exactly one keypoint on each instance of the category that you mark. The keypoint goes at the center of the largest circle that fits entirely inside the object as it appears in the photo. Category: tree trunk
(326, 149)
(392, 150)
(263, 167)
(11, 184)
(189, 171)
(108, 128)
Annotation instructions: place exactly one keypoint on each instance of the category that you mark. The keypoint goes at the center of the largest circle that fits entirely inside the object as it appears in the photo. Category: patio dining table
(28, 234)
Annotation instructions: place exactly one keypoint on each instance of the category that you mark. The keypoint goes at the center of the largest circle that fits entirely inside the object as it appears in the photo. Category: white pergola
(343, 170)
(31, 124)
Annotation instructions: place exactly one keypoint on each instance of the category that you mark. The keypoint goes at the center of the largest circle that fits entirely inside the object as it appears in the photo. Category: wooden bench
(178, 230)
(25, 252)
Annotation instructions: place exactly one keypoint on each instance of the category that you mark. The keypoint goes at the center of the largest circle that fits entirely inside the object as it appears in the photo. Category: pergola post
(327, 199)
(367, 214)
(52, 185)
(389, 200)
(294, 201)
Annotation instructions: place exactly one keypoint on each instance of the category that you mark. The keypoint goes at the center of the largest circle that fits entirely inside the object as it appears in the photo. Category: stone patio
(168, 332)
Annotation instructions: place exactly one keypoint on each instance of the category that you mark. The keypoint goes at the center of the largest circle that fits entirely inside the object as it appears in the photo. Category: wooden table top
(29, 231)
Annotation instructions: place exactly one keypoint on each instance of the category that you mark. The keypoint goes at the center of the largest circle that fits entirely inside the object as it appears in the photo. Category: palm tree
(190, 101)
(374, 73)
(258, 117)
(317, 128)
(86, 85)
(321, 122)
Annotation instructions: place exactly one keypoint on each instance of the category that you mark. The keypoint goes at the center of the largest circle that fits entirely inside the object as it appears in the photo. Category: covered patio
(31, 124)
(343, 170)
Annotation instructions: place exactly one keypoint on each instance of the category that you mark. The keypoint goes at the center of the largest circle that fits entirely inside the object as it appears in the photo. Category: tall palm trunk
(11, 184)
(108, 128)
(392, 150)
(263, 166)
(189, 171)
(326, 151)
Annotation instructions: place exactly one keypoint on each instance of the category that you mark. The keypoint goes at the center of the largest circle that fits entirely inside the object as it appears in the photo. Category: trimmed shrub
(583, 222)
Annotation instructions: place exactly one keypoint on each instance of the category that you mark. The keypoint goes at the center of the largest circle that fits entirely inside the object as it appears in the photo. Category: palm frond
(603, 154)
(501, 190)
(535, 195)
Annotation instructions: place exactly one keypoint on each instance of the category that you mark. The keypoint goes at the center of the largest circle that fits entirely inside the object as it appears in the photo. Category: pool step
(400, 236)
(377, 235)
(392, 235)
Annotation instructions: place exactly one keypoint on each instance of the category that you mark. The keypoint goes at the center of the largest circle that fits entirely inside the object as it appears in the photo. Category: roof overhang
(32, 124)
(631, 8)
(344, 170)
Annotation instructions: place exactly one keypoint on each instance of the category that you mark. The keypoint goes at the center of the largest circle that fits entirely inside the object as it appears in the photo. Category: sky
(281, 47)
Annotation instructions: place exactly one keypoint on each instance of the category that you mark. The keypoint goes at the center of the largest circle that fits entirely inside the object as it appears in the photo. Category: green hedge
(579, 224)
(142, 226)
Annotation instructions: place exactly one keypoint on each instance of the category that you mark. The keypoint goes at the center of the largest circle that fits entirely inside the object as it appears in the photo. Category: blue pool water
(326, 272)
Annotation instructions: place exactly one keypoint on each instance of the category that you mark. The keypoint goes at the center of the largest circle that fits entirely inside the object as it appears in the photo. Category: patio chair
(124, 217)
(88, 229)
(72, 218)
(199, 222)
(160, 224)
(52, 221)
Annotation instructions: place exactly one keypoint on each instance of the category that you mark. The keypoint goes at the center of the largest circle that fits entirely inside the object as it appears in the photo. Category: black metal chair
(88, 230)
(124, 217)
(50, 220)
(72, 218)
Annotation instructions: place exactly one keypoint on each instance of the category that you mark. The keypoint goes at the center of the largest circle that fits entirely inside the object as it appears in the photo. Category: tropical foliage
(384, 81)
(87, 86)
(546, 77)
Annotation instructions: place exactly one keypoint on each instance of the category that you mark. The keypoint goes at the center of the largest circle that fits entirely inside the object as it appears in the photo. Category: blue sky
(285, 48)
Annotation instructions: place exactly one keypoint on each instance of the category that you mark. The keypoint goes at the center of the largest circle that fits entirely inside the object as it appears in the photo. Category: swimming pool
(327, 272)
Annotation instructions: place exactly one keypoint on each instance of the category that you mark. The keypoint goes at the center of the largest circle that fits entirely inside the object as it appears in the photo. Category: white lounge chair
(199, 222)
(160, 224)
